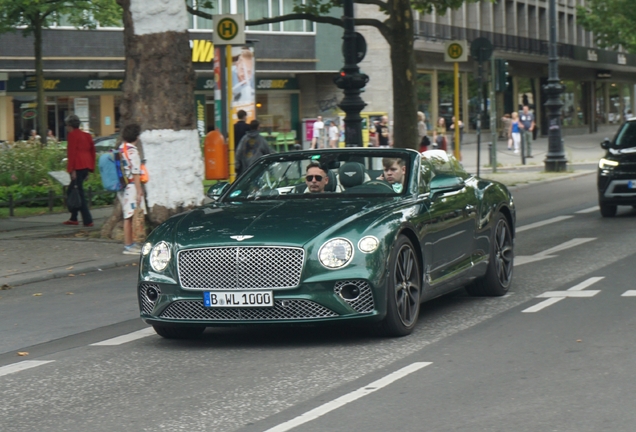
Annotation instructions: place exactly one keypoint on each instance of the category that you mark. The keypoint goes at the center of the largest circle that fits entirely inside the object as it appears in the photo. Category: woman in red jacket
(80, 154)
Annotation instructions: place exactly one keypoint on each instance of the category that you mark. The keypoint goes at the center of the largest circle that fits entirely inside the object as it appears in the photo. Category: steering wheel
(382, 183)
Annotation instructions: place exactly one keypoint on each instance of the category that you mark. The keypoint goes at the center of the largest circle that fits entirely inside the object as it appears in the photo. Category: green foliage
(32, 14)
(612, 21)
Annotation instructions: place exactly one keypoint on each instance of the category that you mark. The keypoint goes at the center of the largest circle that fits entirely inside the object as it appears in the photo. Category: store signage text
(622, 60)
(202, 51)
(269, 84)
(113, 84)
(592, 55)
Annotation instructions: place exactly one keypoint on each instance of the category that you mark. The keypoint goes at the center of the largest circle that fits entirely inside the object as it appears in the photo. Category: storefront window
(424, 96)
(572, 99)
(614, 114)
(273, 111)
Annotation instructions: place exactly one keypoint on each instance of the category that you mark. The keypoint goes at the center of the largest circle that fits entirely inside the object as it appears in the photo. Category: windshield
(626, 136)
(324, 174)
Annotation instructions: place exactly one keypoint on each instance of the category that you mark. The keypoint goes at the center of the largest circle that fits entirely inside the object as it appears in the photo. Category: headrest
(351, 174)
(333, 182)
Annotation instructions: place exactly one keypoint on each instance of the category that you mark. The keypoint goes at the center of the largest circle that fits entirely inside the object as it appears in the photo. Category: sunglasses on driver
(311, 178)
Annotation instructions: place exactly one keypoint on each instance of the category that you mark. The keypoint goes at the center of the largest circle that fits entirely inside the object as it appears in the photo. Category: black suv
(617, 170)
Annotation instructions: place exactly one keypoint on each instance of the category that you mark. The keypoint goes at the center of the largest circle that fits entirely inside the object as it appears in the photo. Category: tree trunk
(404, 75)
(42, 118)
(159, 96)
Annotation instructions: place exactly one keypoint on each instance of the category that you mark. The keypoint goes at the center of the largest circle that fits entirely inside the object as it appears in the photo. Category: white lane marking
(126, 338)
(546, 254)
(543, 304)
(587, 210)
(629, 293)
(556, 296)
(23, 365)
(349, 397)
(542, 223)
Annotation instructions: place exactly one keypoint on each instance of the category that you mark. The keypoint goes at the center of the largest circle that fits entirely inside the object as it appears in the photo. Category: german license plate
(234, 299)
(631, 184)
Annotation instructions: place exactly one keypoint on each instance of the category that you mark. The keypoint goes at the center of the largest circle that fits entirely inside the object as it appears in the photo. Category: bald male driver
(316, 178)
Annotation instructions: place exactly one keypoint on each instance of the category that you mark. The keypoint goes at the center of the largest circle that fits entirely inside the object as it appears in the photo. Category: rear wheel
(404, 288)
(498, 277)
(178, 332)
(607, 210)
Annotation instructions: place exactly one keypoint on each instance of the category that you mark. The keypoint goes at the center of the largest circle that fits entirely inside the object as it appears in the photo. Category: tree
(398, 31)
(32, 16)
(158, 94)
(612, 21)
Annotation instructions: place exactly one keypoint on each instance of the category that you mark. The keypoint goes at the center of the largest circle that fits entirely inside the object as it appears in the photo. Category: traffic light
(501, 81)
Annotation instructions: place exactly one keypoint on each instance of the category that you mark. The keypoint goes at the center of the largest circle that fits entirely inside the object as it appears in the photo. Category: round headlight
(160, 256)
(145, 249)
(335, 253)
(368, 244)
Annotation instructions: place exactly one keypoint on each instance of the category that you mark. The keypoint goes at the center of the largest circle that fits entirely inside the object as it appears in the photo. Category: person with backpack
(132, 196)
(251, 147)
(80, 153)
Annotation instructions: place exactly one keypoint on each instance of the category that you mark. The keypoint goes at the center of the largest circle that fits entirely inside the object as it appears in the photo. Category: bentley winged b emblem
(241, 237)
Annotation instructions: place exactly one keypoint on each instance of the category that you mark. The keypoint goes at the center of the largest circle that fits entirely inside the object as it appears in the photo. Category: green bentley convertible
(358, 235)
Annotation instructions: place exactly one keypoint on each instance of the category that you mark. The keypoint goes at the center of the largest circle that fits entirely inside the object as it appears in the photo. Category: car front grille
(282, 310)
(240, 267)
(364, 302)
(619, 188)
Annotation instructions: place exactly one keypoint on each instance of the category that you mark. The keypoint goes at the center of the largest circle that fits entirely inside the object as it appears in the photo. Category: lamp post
(350, 79)
(555, 160)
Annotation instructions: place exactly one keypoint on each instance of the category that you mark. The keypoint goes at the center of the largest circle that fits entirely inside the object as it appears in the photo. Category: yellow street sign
(229, 29)
(456, 51)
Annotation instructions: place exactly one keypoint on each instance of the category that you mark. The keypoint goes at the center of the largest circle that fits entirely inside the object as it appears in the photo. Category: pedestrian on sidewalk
(80, 161)
(515, 131)
(439, 134)
(505, 130)
(132, 197)
(527, 120)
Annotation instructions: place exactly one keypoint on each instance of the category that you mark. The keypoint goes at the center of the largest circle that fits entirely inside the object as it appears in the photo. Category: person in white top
(334, 134)
(318, 140)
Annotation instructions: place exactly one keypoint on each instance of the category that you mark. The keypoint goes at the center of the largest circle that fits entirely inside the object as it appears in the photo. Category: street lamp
(555, 160)
(350, 79)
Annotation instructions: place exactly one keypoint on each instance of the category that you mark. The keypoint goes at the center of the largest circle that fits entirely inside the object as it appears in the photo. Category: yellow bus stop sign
(229, 29)
(456, 51)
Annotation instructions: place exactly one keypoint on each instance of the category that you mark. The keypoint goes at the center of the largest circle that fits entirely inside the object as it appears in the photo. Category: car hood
(290, 222)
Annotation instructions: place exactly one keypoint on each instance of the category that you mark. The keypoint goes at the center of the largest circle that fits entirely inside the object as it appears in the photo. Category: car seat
(351, 174)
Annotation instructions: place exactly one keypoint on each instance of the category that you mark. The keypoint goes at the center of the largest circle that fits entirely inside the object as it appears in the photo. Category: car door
(448, 237)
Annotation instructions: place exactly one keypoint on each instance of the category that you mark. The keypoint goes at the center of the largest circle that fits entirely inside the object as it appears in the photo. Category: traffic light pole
(351, 81)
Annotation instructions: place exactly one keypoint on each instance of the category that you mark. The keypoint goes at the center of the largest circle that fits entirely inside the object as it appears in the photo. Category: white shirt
(319, 127)
(334, 133)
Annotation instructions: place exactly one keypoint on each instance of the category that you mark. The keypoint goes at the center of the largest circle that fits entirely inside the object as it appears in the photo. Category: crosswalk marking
(23, 365)
(548, 253)
(629, 293)
(556, 296)
(126, 338)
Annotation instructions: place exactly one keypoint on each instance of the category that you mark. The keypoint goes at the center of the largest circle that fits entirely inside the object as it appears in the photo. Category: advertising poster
(218, 98)
(80, 106)
(243, 83)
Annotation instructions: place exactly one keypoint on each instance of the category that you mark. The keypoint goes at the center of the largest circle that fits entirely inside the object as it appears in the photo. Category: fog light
(152, 294)
(350, 292)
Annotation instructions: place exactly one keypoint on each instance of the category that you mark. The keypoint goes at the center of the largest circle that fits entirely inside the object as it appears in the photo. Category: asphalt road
(514, 363)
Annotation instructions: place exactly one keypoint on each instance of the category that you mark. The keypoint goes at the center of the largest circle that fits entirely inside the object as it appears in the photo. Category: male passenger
(394, 171)
(316, 178)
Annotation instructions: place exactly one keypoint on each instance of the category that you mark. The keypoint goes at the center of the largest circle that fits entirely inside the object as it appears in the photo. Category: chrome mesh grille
(364, 302)
(146, 304)
(240, 267)
(282, 310)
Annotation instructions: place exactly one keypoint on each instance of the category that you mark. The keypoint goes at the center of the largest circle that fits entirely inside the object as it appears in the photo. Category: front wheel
(607, 210)
(178, 332)
(498, 277)
(403, 290)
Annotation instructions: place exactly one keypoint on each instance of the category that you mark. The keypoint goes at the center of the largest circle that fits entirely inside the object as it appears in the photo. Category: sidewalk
(39, 248)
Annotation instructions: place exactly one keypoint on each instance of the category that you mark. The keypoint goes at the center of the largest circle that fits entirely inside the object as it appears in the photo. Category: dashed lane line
(587, 210)
(548, 253)
(556, 296)
(23, 365)
(629, 293)
(542, 223)
(349, 397)
(119, 340)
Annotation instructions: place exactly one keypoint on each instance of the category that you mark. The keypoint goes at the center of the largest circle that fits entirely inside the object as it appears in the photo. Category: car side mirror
(605, 144)
(216, 190)
(442, 183)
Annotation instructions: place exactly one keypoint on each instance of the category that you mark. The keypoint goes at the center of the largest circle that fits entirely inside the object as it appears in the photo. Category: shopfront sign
(202, 51)
(276, 84)
(592, 55)
(621, 59)
(603, 74)
(83, 85)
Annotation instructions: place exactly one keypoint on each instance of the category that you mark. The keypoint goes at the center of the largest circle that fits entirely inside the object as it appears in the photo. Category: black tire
(607, 210)
(178, 332)
(404, 287)
(498, 277)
